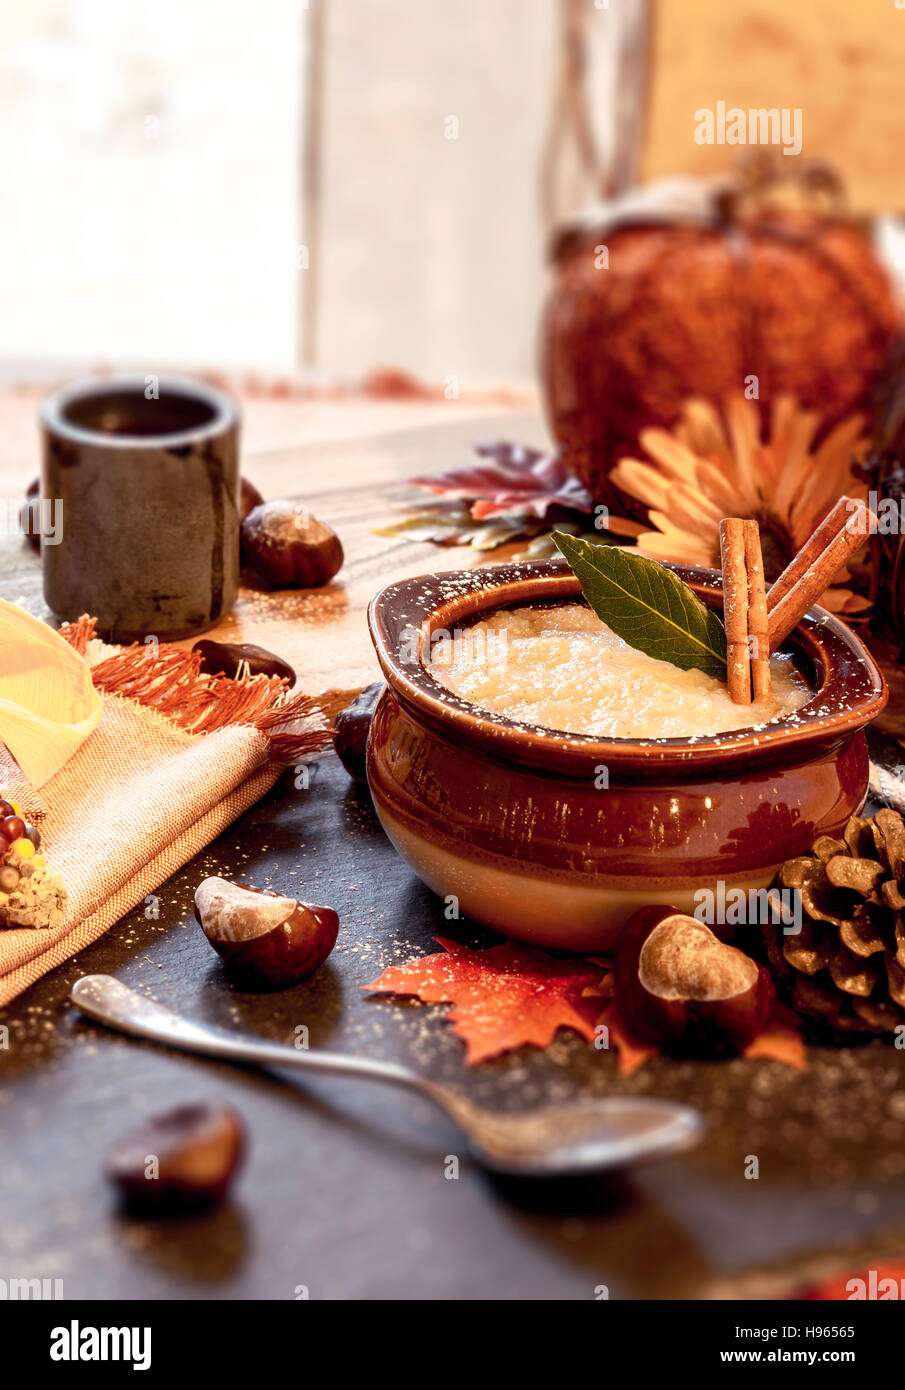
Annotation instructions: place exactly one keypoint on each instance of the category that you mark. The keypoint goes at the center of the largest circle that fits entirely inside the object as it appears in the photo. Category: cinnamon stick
(788, 610)
(735, 609)
(758, 633)
(827, 531)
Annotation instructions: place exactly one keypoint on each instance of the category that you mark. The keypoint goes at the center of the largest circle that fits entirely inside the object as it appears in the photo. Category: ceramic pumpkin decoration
(688, 289)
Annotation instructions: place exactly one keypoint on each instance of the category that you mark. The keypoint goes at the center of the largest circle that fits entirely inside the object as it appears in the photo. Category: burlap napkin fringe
(176, 757)
(167, 678)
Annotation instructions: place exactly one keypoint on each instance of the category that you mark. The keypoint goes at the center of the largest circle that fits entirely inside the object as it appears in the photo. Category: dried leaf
(630, 1053)
(544, 546)
(884, 1280)
(518, 481)
(647, 605)
(504, 997)
(781, 1040)
(509, 996)
(456, 526)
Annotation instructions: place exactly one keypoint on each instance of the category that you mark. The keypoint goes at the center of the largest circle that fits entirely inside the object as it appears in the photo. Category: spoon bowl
(577, 1136)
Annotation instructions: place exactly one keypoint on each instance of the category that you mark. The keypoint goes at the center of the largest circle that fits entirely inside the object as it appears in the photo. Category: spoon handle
(109, 1001)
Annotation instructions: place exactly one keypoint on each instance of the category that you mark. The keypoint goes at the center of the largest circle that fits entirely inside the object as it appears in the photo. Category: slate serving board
(344, 1190)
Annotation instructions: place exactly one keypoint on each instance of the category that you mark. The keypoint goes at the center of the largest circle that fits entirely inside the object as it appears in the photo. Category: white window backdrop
(149, 160)
(159, 174)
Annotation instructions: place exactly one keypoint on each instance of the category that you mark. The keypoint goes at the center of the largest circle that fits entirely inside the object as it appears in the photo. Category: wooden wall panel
(843, 64)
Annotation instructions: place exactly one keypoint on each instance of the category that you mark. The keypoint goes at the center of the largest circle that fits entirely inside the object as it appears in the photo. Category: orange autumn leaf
(631, 1054)
(883, 1281)
(505, 997)
(781, 1041)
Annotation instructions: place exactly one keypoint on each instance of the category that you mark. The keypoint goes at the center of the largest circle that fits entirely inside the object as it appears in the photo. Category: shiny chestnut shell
(197, 1149)
(710, 1026)
(30, 514)
(350, 730)
(227, 658)
(249, 498)
(265, 948)
(290, 548)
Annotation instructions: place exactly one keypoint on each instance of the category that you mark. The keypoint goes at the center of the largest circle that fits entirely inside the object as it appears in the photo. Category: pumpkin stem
(760, 178)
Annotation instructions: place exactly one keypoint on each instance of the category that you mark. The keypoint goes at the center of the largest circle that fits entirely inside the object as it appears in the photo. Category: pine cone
(846, 968)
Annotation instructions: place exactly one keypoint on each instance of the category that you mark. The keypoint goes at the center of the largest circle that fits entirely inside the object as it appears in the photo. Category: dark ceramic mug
(142, 477)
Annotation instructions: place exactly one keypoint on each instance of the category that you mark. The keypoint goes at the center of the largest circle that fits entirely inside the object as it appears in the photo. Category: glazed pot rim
(850, 689)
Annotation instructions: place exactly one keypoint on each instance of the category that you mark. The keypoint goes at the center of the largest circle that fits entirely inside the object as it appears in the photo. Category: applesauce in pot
(561, 668)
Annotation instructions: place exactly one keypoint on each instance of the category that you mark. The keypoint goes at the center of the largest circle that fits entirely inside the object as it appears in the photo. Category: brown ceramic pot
(529, 834)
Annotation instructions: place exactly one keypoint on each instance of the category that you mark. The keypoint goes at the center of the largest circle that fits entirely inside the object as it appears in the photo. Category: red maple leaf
(504, 997)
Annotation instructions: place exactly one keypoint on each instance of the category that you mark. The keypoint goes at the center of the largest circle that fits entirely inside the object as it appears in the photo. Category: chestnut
(264, 938)
(227, 658)
(249, 498)
(290, 548)
(677, 986)
(350, 730)
(30, 514)
(182, 1160)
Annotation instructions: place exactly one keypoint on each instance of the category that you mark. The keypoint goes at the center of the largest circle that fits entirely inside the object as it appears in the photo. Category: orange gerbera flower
(711, 466)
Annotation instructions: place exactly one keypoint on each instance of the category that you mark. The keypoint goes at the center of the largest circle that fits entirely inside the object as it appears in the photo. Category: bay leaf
(647, 605)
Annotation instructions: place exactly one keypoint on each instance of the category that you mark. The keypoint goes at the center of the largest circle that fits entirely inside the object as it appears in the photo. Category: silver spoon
(579, 1136)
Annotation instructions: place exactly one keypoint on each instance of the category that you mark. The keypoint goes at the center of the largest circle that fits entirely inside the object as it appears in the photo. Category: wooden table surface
(344, 1191)
(347, 461)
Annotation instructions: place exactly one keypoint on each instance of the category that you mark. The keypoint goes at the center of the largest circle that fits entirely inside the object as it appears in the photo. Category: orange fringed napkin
(175, 758)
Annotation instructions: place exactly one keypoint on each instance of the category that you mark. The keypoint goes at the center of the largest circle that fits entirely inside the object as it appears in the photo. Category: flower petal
(797, 462)
(641, 481)
(690, 511)
(674, 457)
(622, 526)
(680, 549)
(702, 430)
(744, 431)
